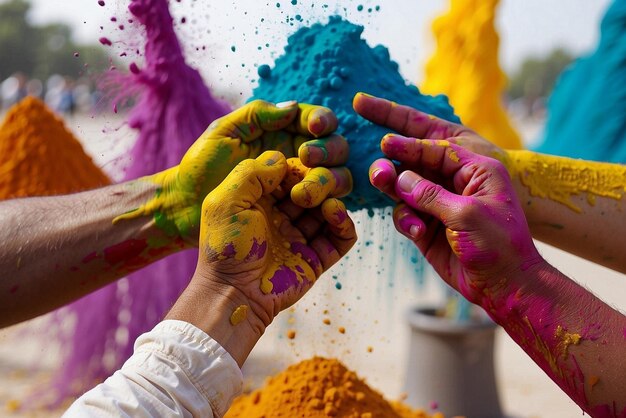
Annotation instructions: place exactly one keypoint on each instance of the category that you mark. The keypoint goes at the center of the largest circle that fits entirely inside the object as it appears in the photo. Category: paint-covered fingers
(321, 183)
(426, 196)
(408, 223)
(315, 121)
(403, 119)
(438, 156)
(326, 152)
(249, 180)
(250, 121)
(339, 236)
(383, 175)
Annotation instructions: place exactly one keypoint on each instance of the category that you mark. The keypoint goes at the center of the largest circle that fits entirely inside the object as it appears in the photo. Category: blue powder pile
(326, 65)
(587, 110)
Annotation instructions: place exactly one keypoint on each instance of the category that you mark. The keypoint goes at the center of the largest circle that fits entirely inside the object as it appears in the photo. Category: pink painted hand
(260, 248)
(289, 127)
(468, 223)
(571, 204)
(460, 209)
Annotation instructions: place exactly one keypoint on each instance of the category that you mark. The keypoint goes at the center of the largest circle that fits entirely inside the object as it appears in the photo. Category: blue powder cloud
(326, 65)
(587, 110)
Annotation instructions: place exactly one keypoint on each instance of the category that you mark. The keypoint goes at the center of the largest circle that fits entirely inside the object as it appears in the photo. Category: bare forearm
(56, 249)
(573, 336)
(572, 204)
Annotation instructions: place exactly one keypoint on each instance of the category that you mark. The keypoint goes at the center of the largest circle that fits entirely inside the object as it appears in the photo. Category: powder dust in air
(325, 64)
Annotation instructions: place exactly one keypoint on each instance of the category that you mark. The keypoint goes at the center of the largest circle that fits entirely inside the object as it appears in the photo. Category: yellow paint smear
(239, 314)
(567, 339)
(560, 178)
(243, 219)
(465, 67)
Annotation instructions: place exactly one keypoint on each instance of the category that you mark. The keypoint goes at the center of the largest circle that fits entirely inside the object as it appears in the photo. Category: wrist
(223, 312)
(520, 290)
(175, 213)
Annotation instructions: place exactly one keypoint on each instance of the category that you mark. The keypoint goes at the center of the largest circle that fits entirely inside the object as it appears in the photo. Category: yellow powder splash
(239, 314)
(560, 178)
(567, 339)
(465, 68)
(39, 156)
(318, 387)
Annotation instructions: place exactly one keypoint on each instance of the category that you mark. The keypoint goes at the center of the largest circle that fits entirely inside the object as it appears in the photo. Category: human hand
(460, 210)
(246, 132)
(261, 249)
(412, 123)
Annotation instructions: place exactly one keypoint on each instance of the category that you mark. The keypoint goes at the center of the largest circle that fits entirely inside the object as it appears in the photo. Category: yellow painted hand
(292, 128)
(256, 239)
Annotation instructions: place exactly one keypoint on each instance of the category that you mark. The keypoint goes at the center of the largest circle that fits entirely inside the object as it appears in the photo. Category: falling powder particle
(239, 314)
(291, 334)
(342, 330)
(326, 321)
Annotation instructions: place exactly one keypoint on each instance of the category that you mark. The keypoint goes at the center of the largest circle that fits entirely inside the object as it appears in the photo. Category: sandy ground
(376, 293)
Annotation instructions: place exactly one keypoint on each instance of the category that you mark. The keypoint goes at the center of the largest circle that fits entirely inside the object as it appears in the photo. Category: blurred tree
(17, 39)
(40, 51)
(536, 76)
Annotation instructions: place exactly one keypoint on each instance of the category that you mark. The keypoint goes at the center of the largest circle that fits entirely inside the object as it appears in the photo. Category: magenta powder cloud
(174, 107)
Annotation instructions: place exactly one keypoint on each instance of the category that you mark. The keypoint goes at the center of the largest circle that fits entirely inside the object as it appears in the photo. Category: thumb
(250, 180)
(426, 196)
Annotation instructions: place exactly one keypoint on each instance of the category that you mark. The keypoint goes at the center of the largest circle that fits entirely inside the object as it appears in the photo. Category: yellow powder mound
(465, 68)
(39, 156)
(318, 387)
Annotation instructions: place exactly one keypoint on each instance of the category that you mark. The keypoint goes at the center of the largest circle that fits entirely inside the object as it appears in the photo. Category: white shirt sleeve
(176, 370)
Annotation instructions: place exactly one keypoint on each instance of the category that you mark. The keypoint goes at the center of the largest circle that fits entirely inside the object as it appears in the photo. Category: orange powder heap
(39, 156)
(318, 387)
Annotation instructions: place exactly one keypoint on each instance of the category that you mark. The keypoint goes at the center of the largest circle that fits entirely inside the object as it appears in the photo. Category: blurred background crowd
(45, 61)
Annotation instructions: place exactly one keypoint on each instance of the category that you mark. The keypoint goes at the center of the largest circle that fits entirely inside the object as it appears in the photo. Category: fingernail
(407, 181)
(288, 103)
(376, 174)
(413, 231)
(315, 155)
(364, 94)
(318, 124)
(271, 158)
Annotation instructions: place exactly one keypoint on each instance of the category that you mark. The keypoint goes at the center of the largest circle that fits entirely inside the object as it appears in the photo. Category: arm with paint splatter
(461, 210)
(259, 252)
(57, 249)
(572, 204)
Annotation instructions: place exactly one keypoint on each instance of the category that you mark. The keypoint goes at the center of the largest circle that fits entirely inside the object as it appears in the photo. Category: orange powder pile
(39, 156)
(318, 387)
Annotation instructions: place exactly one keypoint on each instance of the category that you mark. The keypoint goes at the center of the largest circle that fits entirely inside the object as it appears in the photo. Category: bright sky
(526, 27)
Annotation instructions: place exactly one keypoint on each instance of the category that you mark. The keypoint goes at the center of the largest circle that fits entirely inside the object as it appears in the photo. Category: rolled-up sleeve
(176, 370)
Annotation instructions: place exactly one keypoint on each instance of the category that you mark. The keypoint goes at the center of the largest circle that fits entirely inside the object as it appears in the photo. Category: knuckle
(428, 194)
